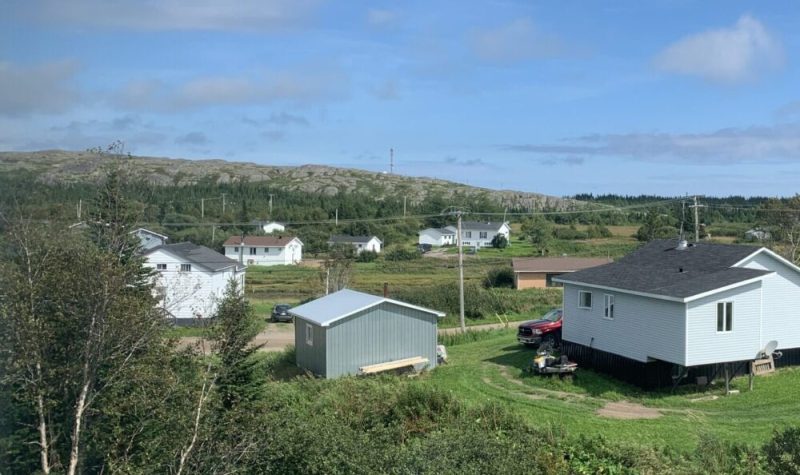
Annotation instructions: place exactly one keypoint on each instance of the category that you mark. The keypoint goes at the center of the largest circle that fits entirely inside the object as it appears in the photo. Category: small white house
(359, 243)
(273, 227)
(686, 304)
(480, 234)
(191, 279)
(149, 239)
(437, 237)
(264, 250)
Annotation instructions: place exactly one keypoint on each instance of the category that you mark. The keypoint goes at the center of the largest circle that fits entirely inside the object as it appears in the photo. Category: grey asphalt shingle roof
(338, 305)
(199, 255)
(351, 239)
(659, 268)
(480, 226)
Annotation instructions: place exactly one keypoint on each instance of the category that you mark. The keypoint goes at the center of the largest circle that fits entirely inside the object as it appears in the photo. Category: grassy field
(492, 370)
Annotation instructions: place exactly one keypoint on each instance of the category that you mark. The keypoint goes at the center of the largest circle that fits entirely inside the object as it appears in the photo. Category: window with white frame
(584, 299)
(608, 312)
(468, 234)
(266, 250)
(724, 316)
(309, 335)
(236, 250)
(253, 251)
(161, 266)
(186, 267)
(482, 235)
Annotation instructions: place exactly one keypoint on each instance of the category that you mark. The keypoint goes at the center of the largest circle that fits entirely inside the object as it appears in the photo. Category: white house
(360, 243)
(191, 279)
(437, 237)
(272, 227)
(686, 304)
(480, 234)
(265, 250)
(149, 239)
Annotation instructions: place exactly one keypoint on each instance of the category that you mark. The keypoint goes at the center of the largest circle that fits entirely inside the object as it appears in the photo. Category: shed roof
(265, 241)
(341, 238)
(333, 307)
(196, 254)
(556, 264)
(660, 269)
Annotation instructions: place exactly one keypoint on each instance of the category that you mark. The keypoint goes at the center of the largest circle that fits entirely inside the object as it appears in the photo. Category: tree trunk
(204, 393)
(80, 406)
(44, 446)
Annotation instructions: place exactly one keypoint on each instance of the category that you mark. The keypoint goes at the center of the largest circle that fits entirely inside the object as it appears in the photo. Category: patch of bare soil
(628, 410)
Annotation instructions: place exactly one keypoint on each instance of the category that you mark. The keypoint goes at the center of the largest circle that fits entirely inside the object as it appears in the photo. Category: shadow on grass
(281, 366)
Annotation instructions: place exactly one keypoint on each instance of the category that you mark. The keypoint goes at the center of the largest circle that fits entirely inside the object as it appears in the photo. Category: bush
(401, 254)
(500, 277)
(569, 233)
(499, 241)
(598, 231)
(367, 256)
(783, 452)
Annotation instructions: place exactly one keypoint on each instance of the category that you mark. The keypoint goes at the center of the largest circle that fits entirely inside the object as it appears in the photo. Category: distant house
(191, 279)
(359, 243)
(671, 306)
(480, 234)
(538, 272)
(265, 250)
(437, 237)
(344, 332)
(149, 239)
(756, 234)
(273, 227)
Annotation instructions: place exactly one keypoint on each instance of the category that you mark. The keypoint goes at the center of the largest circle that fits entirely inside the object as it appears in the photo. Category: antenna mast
(391, 161)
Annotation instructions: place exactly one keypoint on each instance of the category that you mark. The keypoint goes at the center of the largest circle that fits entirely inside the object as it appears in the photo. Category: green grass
(492, 369)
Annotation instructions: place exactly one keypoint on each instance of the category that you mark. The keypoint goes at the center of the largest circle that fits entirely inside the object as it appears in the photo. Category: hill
(60, 166)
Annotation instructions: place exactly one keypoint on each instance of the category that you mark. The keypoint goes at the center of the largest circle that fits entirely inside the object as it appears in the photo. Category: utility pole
(696, 219)
(404, 206)
(337, 216)
(461, 279)
(241, 250)
(223, 204)
(270, 206)
(80, 205)
(202, 208)
(391, 161)
(327, 280)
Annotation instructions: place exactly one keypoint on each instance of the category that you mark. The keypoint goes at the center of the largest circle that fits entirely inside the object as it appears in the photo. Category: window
(584, 299)
(253, 251)
(186, 267)
(468, 234)
(309, 335)
(482, 235)
(161, 266)
(609, 307)
(266, 250)
(725, 316)
(236, 250)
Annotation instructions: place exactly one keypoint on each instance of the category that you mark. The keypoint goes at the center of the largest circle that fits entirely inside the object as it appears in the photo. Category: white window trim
(724, 317)
(580, 300)
(606, 299)
(309, 335)
(186, 267)
(161, 267)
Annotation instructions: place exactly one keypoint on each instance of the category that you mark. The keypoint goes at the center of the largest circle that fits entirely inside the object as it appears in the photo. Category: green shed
(344, 332)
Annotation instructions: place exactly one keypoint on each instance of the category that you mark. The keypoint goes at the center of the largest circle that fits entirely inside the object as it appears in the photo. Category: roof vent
(680, 269)
(682, 245)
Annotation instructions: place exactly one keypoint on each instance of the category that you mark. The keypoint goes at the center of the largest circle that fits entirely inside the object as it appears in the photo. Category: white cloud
(246, 15)
(721, 147)
(43, 88)
(294, 86)
(381, 18)
(726, 55)
(517, 41)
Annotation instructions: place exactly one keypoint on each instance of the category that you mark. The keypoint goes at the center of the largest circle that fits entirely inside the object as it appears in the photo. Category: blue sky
(629, 97)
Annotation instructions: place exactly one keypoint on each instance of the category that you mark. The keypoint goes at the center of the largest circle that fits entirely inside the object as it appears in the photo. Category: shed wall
(642, 328)
(380, 334)
(310, 357)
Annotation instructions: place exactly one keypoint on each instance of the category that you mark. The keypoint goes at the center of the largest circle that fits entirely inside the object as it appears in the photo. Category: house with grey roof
(359, 243)
(348, 332)
(437, 237)
(190, 279)
(149, 239)
(479, 234)
(539, 272)
(672, 305)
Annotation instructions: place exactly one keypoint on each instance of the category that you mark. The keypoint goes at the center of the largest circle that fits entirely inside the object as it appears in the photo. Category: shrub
(499, 241)
(401, 254)
(783, 452)
(598, 231)
(569, 233)
(367, 256)
(500, 277)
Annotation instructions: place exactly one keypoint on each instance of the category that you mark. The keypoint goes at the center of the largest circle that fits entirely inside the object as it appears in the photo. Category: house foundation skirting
(659, 374)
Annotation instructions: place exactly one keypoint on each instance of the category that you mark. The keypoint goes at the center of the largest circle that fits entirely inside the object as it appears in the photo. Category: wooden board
(390, 365)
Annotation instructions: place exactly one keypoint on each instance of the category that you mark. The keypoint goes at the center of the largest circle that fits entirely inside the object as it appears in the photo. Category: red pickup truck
(547, 328)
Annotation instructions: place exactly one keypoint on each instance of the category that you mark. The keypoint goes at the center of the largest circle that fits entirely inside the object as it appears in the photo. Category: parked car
(545, 329)
(423, 248)
(280, 313)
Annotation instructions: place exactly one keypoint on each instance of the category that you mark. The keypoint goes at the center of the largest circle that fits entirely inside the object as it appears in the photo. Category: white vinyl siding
(608, 311)
(643, 329)
(708, 345)
(292, 253)
(585, 300)
(781, 302)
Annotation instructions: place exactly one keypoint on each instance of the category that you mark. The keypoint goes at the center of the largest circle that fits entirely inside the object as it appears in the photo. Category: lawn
(491, 369)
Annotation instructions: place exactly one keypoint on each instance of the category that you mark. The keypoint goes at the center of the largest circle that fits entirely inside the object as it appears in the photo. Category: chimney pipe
(386, 289)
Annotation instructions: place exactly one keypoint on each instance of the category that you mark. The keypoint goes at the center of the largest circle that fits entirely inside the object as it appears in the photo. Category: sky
(625, 97)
